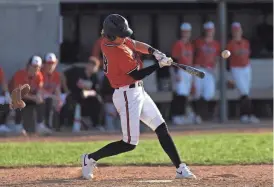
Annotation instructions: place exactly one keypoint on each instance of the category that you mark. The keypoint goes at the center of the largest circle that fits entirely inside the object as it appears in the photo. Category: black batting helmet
(116, 25)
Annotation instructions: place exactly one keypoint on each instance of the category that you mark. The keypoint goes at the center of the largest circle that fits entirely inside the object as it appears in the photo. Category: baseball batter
(182, 51)
(124, 71)
(206, 52)
(241, 70)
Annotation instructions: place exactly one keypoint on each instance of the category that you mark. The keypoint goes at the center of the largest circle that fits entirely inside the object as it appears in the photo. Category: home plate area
(143, 176)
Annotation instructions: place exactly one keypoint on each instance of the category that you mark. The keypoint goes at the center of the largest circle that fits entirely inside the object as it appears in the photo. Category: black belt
(139, 84)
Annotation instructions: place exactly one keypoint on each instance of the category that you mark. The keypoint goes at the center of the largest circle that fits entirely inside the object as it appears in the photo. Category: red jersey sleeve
(130, 43)
(126, 63)
(18, 78)
(2, 75)
(176, 50)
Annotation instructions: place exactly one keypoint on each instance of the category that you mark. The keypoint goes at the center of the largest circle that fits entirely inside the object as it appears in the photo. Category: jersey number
(105, 64)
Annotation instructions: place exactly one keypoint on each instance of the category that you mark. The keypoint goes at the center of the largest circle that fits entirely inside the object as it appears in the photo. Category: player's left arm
(141, 47)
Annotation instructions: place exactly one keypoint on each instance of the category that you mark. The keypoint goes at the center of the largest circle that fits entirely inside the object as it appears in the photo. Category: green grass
(198, 149)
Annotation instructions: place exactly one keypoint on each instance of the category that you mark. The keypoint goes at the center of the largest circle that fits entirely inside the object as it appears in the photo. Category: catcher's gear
(116, 25)
(16, 96)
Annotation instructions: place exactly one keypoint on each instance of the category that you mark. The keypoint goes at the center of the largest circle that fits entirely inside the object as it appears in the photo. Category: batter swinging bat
(190, 70)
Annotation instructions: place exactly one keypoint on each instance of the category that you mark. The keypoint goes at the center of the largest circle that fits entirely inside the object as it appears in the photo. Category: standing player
(133, 104)
(182, 51)
(52, 86)
(206, 52)
(241, 70)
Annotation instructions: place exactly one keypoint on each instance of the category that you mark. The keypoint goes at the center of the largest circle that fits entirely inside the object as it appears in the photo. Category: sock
(168, 144)
(245, 105)
(194, 107)
(112, 149)
(4, 107)
(183, 104)
(174, 105)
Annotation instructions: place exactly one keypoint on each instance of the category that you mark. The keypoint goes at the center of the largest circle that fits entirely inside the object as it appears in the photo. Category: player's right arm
(145, 49)
(129, 66)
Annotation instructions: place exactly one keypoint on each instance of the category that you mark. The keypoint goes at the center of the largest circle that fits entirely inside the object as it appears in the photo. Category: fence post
(222, 14)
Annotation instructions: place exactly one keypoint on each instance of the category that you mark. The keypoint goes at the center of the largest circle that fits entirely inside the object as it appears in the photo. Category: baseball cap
(50, 58)
(209, 25)
(236, 25)
(185, 27)
(36, 61)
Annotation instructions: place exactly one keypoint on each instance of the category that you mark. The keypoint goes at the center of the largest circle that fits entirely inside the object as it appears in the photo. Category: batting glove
(166, 61)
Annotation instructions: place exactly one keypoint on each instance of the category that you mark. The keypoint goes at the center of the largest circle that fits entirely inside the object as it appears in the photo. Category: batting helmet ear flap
(109, 37)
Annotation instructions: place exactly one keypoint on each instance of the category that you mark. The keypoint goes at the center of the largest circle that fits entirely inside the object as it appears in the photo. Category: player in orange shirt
(32, 76)
(182, 51)
(52, 84)
(241, 70)
(34, 100)
(207, 50)
(124, 70)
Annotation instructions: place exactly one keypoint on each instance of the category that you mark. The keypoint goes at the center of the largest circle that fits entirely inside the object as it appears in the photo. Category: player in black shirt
(80, 80)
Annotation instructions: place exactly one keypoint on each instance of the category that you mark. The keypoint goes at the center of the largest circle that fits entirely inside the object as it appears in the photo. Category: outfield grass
(198, 149)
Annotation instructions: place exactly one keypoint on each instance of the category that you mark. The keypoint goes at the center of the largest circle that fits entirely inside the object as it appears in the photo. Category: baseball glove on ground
(16, 96)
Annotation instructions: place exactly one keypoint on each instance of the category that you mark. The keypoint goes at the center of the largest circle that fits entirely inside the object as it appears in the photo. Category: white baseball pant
(205, 87)
(133, 105)
(183, 87)
(242, 77)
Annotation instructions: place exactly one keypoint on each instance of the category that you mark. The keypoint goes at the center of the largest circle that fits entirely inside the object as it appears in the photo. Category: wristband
(151, 50)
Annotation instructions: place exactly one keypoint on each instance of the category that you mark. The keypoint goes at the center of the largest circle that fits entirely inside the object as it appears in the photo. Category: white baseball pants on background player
(205, 87)
(242, 78)
(183, 87)
(133, 105)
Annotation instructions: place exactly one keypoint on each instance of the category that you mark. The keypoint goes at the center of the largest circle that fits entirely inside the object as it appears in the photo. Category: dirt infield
(208, 176)
(132, 176)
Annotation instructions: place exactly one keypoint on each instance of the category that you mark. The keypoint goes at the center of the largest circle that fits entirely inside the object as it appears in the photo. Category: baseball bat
(190, 70)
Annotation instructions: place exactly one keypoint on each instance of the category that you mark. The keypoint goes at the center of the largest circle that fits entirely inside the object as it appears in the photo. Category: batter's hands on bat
(166, 61)
(158, 55)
